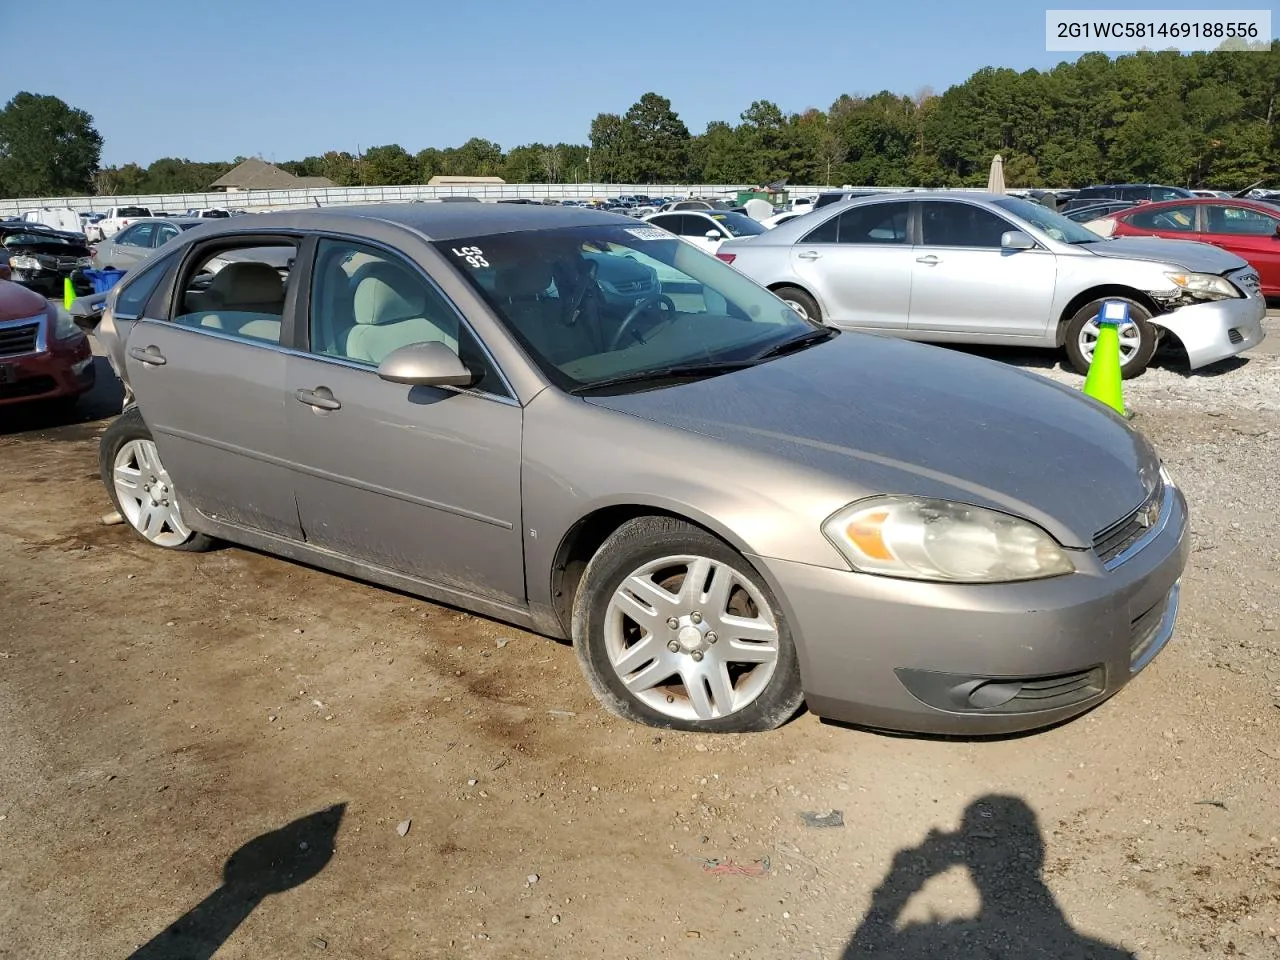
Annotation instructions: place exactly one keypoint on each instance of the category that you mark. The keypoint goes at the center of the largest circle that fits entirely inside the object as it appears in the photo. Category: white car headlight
(923, 539)
(23, 262)
(1205, 286)
(64, 328)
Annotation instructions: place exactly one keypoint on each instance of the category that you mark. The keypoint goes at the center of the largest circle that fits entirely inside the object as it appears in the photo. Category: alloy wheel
(1130, 340)
(146, 495)
(691, 637)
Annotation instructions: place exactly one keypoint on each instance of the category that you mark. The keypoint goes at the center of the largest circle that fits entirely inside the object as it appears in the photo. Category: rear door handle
(321, 398)
(809, 255)
(931, 260)
(149, 355)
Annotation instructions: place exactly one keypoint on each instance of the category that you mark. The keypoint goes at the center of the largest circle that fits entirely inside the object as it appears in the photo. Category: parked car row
(467, 403)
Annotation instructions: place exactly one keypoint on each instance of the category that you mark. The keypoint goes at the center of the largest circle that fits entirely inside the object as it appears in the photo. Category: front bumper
(966, 659)
(1214, 331)
(47, 282)
(64, 369)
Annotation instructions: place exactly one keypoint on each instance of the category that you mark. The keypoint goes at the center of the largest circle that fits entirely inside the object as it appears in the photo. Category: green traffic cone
(68, 294)
(1103, 381)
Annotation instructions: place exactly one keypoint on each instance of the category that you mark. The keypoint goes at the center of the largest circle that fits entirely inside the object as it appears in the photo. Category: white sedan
(707, 229)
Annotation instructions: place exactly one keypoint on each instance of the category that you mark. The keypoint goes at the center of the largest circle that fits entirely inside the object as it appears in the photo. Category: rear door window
(1239, 221)
(238, 291)
(874, 223)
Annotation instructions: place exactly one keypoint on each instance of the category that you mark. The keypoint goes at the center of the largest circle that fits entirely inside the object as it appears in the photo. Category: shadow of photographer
(999, 843)
(271, 863)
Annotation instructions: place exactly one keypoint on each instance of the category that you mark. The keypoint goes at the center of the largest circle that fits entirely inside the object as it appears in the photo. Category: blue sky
(284, 78)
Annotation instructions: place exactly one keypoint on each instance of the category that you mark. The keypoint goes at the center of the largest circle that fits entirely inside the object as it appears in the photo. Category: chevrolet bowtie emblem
(1149, 515)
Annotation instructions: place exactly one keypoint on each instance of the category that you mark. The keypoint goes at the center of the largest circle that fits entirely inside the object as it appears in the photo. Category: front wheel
(800, 302)
(141, 488)
(674, 629)
(1138, 337)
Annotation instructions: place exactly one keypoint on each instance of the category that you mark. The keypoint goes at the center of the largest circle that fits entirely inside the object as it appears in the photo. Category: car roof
(1204, 201)
(435, 221)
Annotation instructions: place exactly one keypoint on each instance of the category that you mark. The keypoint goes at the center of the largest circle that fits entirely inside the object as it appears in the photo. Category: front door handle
(321, 398)
(931, 260)
(149, 355)
(809, 255)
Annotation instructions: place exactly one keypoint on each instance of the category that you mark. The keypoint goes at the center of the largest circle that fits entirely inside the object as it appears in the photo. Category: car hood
(889, 416)
(1188, 254)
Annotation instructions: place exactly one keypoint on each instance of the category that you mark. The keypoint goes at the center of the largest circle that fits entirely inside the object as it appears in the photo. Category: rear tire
(674, 629)
(1138, 338)
(140, 488)
(800, 302)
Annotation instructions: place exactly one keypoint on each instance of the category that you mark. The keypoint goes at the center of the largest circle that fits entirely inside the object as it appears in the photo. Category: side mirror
(713, 235)
(86, 312)
(429, 364)
(1016, 240)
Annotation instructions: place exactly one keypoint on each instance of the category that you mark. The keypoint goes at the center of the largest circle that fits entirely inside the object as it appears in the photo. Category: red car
(43, 354)
(1248, 228)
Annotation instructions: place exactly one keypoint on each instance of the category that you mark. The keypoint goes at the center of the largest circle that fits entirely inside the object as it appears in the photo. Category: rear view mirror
(1016, 240)
(429, 364)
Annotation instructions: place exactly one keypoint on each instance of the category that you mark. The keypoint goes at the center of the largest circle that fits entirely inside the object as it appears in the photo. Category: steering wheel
(659, 300)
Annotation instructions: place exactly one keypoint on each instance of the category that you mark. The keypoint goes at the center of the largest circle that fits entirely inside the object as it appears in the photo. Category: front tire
(674, 629)
(1138, 338)
(140, 486)
(800, 302)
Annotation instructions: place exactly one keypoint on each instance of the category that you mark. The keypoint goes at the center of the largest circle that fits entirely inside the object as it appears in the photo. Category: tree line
(1200, 119)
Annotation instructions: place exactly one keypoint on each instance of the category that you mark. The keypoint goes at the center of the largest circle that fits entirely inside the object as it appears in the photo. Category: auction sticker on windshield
(648, 233)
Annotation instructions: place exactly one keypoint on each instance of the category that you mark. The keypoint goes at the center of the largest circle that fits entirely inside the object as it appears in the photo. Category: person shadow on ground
(268, 864)
(1018, 918)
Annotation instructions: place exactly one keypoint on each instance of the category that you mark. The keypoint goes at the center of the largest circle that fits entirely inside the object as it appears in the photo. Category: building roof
(255, 174)
(437, 181)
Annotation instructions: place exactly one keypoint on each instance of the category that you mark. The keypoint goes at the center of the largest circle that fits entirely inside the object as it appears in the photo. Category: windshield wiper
(681, 371)
(796, 343)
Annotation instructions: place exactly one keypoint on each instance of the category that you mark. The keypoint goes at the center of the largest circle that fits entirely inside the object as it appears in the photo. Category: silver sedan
(583, 425)
(135, 243)
(980, 268)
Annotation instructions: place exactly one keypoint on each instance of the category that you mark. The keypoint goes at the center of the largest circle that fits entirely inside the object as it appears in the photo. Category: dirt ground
(222, 752)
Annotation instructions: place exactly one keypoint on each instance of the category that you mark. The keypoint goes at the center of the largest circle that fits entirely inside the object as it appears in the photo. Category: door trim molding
(332, 477)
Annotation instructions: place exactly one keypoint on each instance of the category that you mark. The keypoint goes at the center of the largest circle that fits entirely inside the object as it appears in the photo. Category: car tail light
(726, 257)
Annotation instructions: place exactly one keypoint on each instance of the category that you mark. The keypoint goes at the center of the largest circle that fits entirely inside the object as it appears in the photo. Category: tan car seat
(390, 309)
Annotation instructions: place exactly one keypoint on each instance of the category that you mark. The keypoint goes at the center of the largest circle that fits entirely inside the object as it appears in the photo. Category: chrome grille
(1249, 282)
(1114, 540)
(19, 338)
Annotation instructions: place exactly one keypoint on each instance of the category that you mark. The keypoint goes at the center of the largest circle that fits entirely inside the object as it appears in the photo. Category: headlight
(64, 328)
(1205, 286)
(923, 539)
(23, 262)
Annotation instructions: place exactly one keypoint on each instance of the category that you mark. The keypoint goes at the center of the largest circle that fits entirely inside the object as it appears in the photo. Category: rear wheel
(674, 629)
(1138, 337)
(800, 302)
(140, 486)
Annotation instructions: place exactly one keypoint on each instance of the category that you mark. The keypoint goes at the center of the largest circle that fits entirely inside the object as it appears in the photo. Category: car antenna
(316, 201)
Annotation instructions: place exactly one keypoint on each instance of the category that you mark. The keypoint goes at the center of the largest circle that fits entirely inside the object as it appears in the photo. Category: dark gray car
(729, 509)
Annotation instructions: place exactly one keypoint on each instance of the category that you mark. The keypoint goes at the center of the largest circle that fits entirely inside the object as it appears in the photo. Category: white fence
(262, 200)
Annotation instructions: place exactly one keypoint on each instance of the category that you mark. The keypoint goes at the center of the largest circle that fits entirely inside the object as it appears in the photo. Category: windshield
(739, 225)
(1054, 224)
(187, 226)
(596, 303)
(23, 239)
(133, 212)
